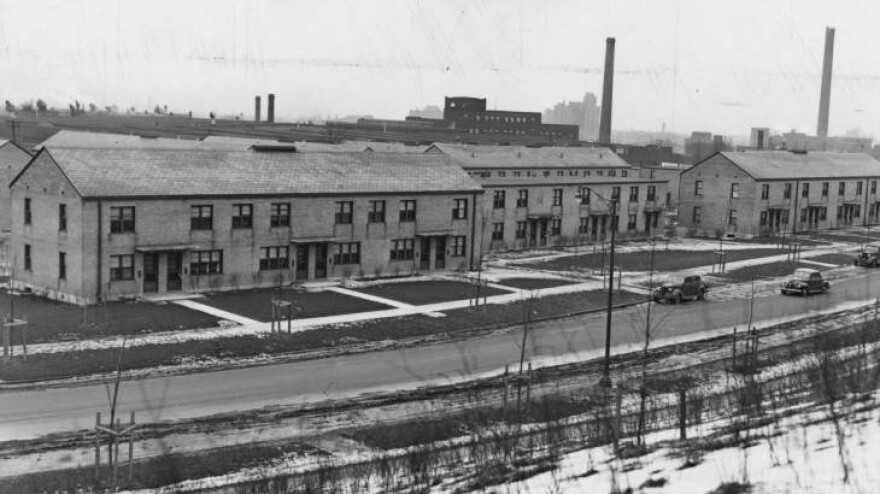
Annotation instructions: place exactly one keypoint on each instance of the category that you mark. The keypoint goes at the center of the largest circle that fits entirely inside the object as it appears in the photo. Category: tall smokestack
(257, 108)
(270, 113)
(825, 97)
(607, 89)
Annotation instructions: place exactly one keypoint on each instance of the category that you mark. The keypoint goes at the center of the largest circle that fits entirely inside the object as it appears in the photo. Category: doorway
(425, 254)
(175, 266)
(439, 252)
(320, 261)
(302, 262)
(151, 272)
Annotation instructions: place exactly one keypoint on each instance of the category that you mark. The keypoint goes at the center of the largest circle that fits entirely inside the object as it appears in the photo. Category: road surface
(28, 414)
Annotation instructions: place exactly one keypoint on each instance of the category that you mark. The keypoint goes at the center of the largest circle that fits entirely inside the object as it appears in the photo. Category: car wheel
(701, 295)
(678, 298)
(782, 292)
(804, 292)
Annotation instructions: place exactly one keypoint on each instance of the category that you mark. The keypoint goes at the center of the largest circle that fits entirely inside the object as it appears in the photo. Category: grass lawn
(839, 259)
(533, 283)
(774, 269)
(664, 260)
(428, 292)
(53, 366)
(54, 321)
(844, 237)
(802, 239)
(257, 304)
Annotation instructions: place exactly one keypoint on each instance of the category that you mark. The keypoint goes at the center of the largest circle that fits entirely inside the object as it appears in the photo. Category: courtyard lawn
(428, 292)
(257, 304)
(771, 270)
(671, 260)
(533, 283)
(839, 259)
(53, 321)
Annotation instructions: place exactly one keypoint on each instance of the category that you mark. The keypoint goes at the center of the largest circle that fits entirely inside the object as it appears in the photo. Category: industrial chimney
(270, 113)
(825, 96)
(607, 89)
(257, 108)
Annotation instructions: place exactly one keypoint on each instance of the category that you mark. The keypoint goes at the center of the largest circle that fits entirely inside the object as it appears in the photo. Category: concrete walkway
(207, 309)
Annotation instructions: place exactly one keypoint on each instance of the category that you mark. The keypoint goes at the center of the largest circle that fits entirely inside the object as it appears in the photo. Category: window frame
(557, 197)
(279, 215)
(201, 267)
(698, 187)
(459, 209)
(498, 199)
(458, 245)
(62, 265)
(119, 269)
(765, 192)
(634, 193)
(521, 230)
(697, 215)
(522, 198)
(120, 221)
(62, 217)
(786, 191)
(28, 211)
(271, 258)
(201, 221)
(407, 213)
(376, 211)
(240, 220)
(347, 253)
(402, 249)
(555, 227)
(344, 213)
(28, 258)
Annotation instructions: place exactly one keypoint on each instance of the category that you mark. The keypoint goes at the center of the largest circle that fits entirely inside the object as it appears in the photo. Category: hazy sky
(721, 66)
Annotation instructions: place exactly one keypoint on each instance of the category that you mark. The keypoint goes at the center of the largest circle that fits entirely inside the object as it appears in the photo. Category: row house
(102, 224)
(755, 193)
(532, 195)
(12, 160)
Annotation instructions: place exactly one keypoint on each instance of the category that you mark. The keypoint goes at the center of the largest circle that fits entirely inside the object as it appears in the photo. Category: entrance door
(543, 234)
(320, 261)
(425, 254)
(151, 272)
(440, 253)
(648, 218)
(175, 266)
(302, 262)
(533, 232)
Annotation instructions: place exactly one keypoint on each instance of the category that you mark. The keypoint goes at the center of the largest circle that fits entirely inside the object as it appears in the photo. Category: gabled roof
(468, 156)
(229, 142)
(110, 172)
(776, 165)
(79, 139)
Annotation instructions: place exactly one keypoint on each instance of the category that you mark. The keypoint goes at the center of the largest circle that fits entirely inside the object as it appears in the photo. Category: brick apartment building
(12, 161)
(531, 201)
(103, 224)
(773, 192)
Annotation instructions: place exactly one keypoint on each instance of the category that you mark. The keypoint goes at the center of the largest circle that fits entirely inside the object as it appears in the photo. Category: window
(343, 212)
(347, 253)
(556, 226)
(121, 268)
(28, 261)
(734, 191)
(785, 217)
(497, 232)
(122, 219)
(615, 193)
(202, 217)
(584, 224)
(408, 210)
(522, 198)
(873, 186)
(857, 210)
(274, 258)
(585, 195)
(731, 218)
(786, 194)
(521, 229)
(803, 215)
(633, 194)
(839, 212)
(557, 197)
(823, 213)
(696, 219)
(652, 193)
(402, 250)
(279, 214)
(498, 199)
(206, 262)
(242, 216)
(459, 209)
(62, 265)
(698, 187)
(62, 217)
(859, 188)
(841, 188)
(765, 192)
(376, 213)
(824, 189)
(763, 218)
(631, 222)
(624, 173)
(805, 191)
(612, 173)
(458, 246)
(28, 214)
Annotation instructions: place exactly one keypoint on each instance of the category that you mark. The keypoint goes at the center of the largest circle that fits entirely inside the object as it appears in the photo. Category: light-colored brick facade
(12, 161)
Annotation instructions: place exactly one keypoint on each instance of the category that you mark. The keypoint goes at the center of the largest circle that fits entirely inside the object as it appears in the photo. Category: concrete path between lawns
(222, 314)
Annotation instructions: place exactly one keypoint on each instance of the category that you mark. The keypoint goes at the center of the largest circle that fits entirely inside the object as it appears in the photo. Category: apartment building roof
(80, 139)
(468, 156)
(781, 165)
(112, 172)
(312, 147)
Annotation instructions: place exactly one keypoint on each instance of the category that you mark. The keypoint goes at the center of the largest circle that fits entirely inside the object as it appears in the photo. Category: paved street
(33, 413)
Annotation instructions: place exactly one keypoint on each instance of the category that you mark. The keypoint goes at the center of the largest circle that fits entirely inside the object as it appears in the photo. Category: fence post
(529, 386)
(504, 403)
(97, 447)
(682, 413)
(131, 446)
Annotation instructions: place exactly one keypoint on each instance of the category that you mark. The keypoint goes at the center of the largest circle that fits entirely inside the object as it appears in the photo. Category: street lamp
(605, 380)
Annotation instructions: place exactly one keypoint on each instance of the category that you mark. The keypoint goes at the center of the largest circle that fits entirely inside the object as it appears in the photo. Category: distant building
(702, 144)
(433, 112)
(759, 138)
(798, 141)
(470, 115)
(584, 114)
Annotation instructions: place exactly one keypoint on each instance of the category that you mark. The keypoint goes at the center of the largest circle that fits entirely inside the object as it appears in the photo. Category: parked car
(869, 257)
(679, 288)
(805, 281)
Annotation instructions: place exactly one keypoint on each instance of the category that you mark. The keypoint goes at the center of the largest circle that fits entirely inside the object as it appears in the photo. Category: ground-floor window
(631, 222)
(274, 258)
(402, 249)
(497, 232)
(28, 261)
(122, 268)
(458, 246)
(62, 266)
(556, 226)
(347, 253)
(584, 225)
(520, 229)
(206, 262)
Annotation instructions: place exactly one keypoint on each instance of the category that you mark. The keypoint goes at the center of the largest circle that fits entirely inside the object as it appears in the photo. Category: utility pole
(13, 124)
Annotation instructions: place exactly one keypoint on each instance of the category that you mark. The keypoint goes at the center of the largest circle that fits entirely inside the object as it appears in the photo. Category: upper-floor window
(459, 209)
(522, 198)
(697, 216)
(343, 212)
(841, 188)
(824, 189)
(62, 265)
(458, 246)
(858, 188)
(242, 216)
(202, 217)
(805, 191)
(652, 193)
(615, 193)
(498, 199)
(376, 212)
(279, 214)
(408, 210)
(122, 219)
(28, 213)
(786, 192)
(633, 194)
(585, 195)
(765, 192)
(28, 261)
(62, 217)
(557, 197)
(698, 187)
(873, 186)
(734, 191)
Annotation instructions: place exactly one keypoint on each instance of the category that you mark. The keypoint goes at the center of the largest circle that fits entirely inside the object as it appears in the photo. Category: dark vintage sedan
(804, 282)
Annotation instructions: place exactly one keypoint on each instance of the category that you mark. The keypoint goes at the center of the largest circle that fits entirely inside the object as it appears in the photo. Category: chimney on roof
(825, 96)
(270, 111)
(257, 108)
(607, 89)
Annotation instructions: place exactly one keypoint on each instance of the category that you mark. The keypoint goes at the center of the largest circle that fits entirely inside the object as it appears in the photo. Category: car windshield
(802, 274)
